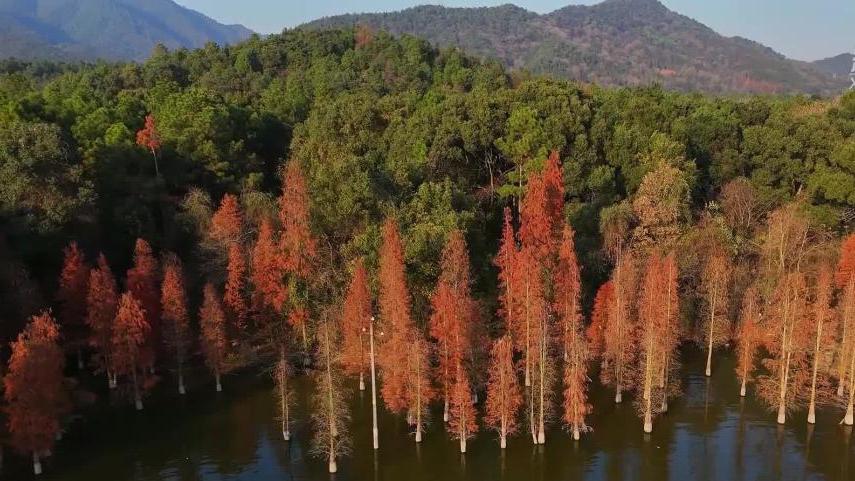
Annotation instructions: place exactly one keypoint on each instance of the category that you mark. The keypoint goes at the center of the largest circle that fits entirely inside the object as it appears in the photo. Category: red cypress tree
(554, 184)
(297, 244)
(266, 270)
(603, 302)
(506, 261)
(618, 345)
(453, 307)
(176, 326)
(356, 316)
(845, 280)
(748, 337)
(821, 327)
(715, 281)
(212, 320)
(394, 303)
(142, 282)
(671, 330)
(503, 391)
(419, 387)
(73, 287)
(234, 298)
(34, 392)
(536, 227)
(227, 221)
(130, 331)
(101, 304)
(462, 422)
(149, 138)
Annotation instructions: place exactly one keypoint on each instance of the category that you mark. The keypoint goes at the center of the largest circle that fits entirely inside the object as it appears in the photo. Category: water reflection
(709, 434)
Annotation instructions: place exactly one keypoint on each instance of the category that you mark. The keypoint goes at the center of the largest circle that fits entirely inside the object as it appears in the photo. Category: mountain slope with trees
(616, 42)
(104, 29)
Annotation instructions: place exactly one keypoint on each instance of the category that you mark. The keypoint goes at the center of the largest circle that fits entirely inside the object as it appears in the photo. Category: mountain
(616, 42)
(840, 66)
(109, 29)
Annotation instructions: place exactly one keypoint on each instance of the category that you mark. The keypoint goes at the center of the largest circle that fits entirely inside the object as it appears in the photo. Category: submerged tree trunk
(137, 399)
(37, 464)
(708, 371)
(374, 431)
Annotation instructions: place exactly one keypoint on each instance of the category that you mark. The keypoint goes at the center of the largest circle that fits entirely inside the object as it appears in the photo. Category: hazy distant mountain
(840, 65)
(616, 42)
(111, 29)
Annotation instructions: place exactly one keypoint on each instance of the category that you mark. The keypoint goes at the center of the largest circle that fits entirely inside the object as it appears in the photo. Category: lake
(710, 434)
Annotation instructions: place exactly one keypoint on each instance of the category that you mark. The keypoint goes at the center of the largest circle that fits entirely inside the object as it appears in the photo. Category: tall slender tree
(213, 339)
(284, 396)
(356, 315)
(822, 329)
(149, 138)
(330, 415)
(176, 325)
(234, 298)
(270, 292)
(420, 391)
(787, 344)
(130, 330)
(142, 282)
(101, 304)
(845, 280)
(618, 347)
(749, 335)
(395, 314)
(73, 287)
(714, 284)
(35, 398)
(462, 421)
(504, 397)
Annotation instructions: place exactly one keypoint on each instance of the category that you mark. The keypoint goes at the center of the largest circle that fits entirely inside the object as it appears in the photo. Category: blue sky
(802, 29)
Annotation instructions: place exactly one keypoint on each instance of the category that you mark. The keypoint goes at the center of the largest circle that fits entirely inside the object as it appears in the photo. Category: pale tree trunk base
(286, 435)
(375, 433)
(503, 442)
(418, 435)
(618, 397)
(848, 419)
(576, 434)
(664, 406)
(811, 416)
(37, 464)
(361, 383)
(463, 446)
(782, 414)
(708, 372)
(181, 390)
(541, 437)
(138, 404)
(648, 423)
(742, 390)
(333, 466)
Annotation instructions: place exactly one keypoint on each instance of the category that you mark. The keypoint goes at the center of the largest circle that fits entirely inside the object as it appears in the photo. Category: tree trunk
(812, 407)
(37, 464)
(541, 433)
(181, 389)
(217, 379)
(137, 399)
(742, 388)
(374, 431)
(361, 381)
(708, 371)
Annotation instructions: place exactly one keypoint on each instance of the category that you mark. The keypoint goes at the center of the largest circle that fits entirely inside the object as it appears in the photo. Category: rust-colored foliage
(73, 287)
(298, 319)
(101, 304)
(212, 320)
(148, 137)
(618, 346)
(787, 340)
(270, 292)
(462, 421)
(142, 282)
(748, 337)
(846, 266)
(130, 331)
(234, 299)
(356, 316)
(567, 286)
(34, 392)
(452, 312)
(176, 325)
(536, 226)
(553, 183)
(506, 261)
(227, 221)
(603, 302)
(297, 244)
(504, 397)
(395, 315)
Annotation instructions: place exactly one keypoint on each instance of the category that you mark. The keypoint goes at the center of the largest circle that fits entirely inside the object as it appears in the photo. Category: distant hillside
(839, 66)
(110, 29)
(616, 42)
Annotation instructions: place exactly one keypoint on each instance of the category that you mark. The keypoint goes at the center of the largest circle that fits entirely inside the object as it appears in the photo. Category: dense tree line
(349, 204)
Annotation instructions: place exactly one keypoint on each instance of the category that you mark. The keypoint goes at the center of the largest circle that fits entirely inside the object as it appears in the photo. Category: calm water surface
(709, 434)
